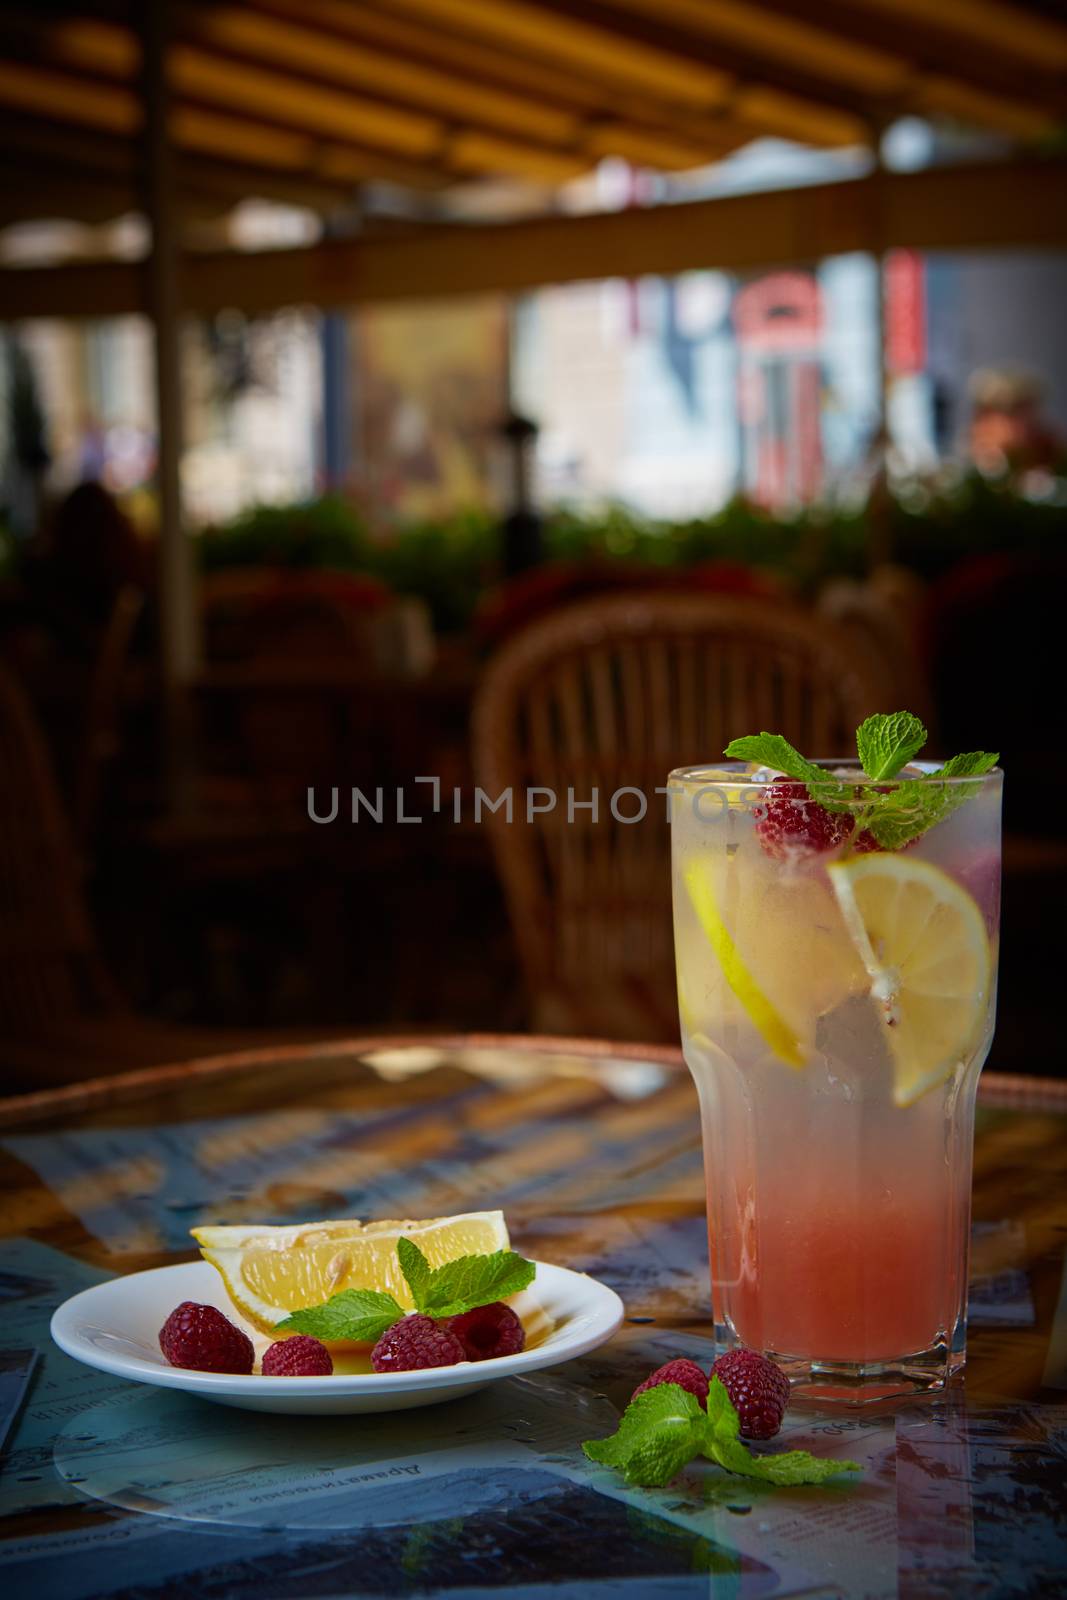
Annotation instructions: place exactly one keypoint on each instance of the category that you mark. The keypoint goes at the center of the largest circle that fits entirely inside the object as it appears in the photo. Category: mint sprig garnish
(463, 1284)
(666, 1428)
(774, 751)
(885, 744)
(361, 1316)
(357, 1315)
(659, 1433)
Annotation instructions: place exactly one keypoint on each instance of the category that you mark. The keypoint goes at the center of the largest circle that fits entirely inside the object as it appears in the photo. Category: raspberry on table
(416, 1342)
(489, 1331)
(203, 1340)
(681, 1371)
(298, 1357)
(758, 1391)
(790, 824)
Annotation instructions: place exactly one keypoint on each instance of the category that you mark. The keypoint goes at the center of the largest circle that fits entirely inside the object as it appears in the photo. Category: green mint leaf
(461, 1285)
(416, 1269)
(723, 1445)
(360, 1315)
(908, 810)
(723, 1421)
(971, 765)
(772, 750)
(471, 1281)
(919, 804)
(791, 1467)
(887, 742)
(659, 1433)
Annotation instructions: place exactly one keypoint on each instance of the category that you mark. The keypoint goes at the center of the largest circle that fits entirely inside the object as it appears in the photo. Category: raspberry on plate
(416, 1342)
(298, 1357)
(758, 1391)
(489, 1331)
(202, 1339)
(790, 824)
(681, 1371)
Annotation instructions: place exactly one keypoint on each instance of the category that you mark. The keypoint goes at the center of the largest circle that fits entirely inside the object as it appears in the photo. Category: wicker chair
(883, 616)
(616, 692)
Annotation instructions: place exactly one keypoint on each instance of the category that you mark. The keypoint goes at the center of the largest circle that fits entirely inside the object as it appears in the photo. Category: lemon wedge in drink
(269, 1271)
(762, 1012)
(923, 942)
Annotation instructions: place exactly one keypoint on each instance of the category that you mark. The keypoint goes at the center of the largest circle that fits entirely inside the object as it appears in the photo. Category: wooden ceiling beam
(560, 38)
(279, 131)
(481, 112)
(775, 106)
(55, 162)
(932, 48)
(1010, 205)
(644, 131)
(263, 149)
(310, 109)
(643, 123)
(774, 51)
(1012, 30)
(429, 45)
(69, 97)
(248, 35)
(829, 57)
(314, 110)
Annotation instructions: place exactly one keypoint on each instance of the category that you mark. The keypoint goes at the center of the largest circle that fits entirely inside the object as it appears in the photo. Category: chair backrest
(50, 971)
(616, 692)
(878, 619)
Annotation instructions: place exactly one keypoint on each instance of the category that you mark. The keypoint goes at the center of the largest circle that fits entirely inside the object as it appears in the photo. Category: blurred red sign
(905, 311)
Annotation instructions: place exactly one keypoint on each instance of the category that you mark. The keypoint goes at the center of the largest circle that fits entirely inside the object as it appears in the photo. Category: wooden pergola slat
(327, 96)
(966, 207)
(425, 93)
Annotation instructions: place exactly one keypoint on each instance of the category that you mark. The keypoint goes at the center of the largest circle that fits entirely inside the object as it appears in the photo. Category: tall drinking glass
(837, 1003)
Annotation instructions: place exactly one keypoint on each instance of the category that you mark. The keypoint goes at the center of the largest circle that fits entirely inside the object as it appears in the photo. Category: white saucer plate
(114, 1326)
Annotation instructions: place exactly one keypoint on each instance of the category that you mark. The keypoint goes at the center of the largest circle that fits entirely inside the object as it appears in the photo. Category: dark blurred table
(111, 1489)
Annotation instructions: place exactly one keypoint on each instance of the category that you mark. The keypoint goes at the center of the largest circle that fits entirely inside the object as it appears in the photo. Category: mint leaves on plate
(885, 743)
(358, 1315)
(363, 1315)
(666, 1428)
(462, 1285)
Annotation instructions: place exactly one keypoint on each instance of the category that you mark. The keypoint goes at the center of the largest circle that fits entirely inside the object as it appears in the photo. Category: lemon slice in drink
(923, 941)
(761, 1011)
(269, 1272)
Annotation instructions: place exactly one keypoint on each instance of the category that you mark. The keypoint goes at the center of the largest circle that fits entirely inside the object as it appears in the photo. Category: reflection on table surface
(112, 1489)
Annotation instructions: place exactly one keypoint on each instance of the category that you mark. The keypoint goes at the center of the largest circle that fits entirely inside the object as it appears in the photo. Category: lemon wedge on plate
(923, 942)
(271, 1271)
(762, 1012)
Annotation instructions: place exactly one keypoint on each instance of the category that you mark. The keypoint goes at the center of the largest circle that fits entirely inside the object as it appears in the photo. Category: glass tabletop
(593, 1151)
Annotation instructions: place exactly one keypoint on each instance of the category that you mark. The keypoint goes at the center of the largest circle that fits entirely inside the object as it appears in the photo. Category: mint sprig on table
(885, 744)
(666, 1428)
(362, 1315)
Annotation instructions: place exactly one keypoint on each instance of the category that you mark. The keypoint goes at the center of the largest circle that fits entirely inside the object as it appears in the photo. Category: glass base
(854, 1383)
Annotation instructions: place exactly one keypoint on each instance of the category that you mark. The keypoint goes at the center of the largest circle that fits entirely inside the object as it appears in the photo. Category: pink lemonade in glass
(837, 1004)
